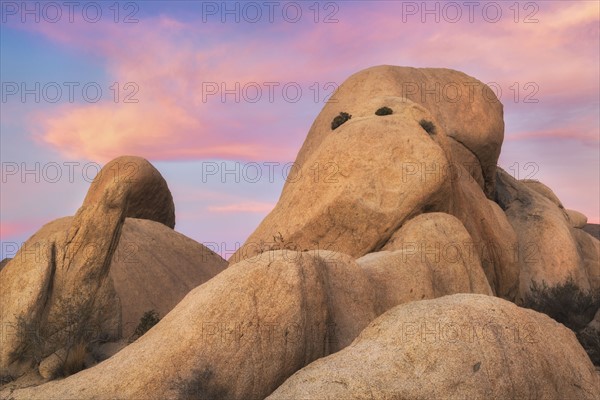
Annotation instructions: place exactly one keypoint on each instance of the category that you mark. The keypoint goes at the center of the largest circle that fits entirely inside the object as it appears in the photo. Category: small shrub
(339, 120)
(590, 341)
(384, 111)
(199, 386)
(565, 303)
(148, 320)
(572, 307)
(428, 126)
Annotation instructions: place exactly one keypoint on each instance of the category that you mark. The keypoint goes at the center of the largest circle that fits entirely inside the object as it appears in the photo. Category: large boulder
(359, 194)
(89, 278)
(548, 252)
(464, 107)
(152, 268)
(430, 256)
(149, 195)
(493, 237)
(238, 336)
(462, 346)
(577, 219)
(55, 287)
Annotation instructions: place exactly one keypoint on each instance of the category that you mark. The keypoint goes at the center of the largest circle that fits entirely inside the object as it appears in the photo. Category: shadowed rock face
(455, 347)
(550, 249)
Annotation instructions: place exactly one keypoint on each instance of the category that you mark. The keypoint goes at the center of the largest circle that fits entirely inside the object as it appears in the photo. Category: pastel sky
(214, 93)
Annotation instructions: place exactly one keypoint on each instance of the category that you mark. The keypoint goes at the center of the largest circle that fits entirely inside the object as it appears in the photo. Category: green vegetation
(148, 320)
(428, 126)
(339, 120)
(568, 304)
(384, 111)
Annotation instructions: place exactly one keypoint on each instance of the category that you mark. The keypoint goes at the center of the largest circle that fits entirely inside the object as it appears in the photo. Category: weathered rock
(494, 239)
(55, 287)
(547, 250)
(148, 193)
(543, 190)
(153, 268)
(362, 193)
(50, 365)
(238, 336)
(464, 107)
(464, 157)
(455, 347)
(430, 256)
(577, 219)
(588, 248)
(61, 283)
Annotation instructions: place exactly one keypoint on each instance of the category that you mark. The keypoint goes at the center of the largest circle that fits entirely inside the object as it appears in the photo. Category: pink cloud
(172, 120)
(245, 207)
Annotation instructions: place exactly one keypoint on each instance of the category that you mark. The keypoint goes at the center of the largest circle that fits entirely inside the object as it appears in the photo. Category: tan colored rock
(464, 107)
(432, 255)
(494, 239)
(547, 250)
(4, 262)
(543, 190)
(363, 193)
(464, 157)
(66, 298)
(50, 365)
(577, 219)
(149, 195)
(61, 284)
(238, 336)
(463, 346)
(153, 268)
(588, 248)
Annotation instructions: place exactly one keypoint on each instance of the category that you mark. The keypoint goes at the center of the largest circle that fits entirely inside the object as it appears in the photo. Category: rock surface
(148, 193)
(455, 347)
(543, 190)
(592, 229)
(473, 116)
(238, 336)
(548, 252)
(92, 276)
(363, 193)
(430, 256)
(577, 219)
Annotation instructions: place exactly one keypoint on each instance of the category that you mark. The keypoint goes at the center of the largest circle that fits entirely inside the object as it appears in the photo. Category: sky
(219, 96)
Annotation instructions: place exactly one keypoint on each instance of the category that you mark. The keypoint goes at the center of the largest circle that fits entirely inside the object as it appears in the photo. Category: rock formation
(89, 278)
(455, 347)
(394, 265)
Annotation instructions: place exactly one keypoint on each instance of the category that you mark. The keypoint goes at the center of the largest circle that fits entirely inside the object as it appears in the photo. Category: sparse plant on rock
(148, 320)
(428, 126)
(199, 386)
(339, 120)
(568, 304)
(384, 111)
